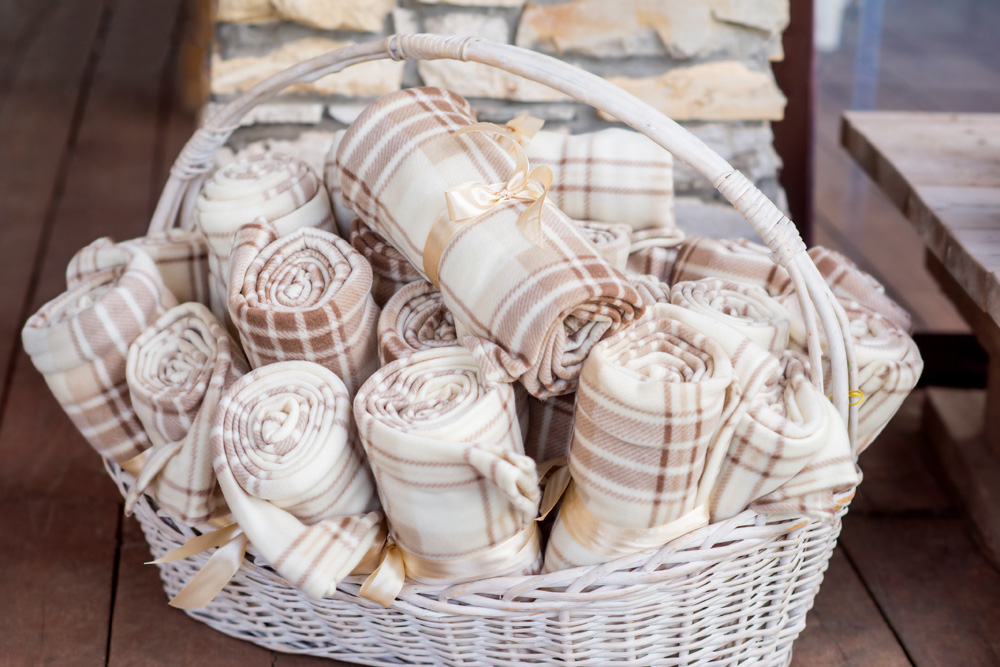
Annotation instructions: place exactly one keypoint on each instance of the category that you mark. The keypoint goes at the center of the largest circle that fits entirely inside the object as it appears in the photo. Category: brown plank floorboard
(934, 587)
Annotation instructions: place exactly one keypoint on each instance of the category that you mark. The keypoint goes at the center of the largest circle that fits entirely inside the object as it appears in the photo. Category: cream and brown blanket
(653, 251)
(612, 241)
(180, 255)
(79, 342)
(281, 189)
(414, 319)
(176, 372)
(304, 296)
(529, 303)
(614, 175)
(293, 474)
(790, 446)
(459, 493)
(391, 271)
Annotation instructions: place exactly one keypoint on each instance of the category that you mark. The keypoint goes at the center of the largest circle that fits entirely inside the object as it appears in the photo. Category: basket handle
(775, 229)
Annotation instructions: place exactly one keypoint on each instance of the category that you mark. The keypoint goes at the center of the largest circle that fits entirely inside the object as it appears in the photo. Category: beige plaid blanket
(180, 255)
(390, 269)
(292, 474)
(792, 445)
(655, 411)
(614, 175)
(281, 189)
(79, 342)
(460, 495)
(528, 308)
(414, 319)
(746, 308)
(747, 262)
(306, 295)
(651, 289)
(611, 241)
(176, 372)
(653, 251)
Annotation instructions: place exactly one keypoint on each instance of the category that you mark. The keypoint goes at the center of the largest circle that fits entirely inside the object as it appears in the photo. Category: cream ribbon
(610, 541)
(555, 472)
(524, 127)
(230, 543)
(467, 201)
(512, 555)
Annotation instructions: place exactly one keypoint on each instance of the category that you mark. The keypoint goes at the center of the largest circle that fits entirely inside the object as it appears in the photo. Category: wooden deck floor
(87, 132)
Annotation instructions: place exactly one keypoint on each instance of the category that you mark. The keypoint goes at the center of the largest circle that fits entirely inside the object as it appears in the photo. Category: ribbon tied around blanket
(467, 201)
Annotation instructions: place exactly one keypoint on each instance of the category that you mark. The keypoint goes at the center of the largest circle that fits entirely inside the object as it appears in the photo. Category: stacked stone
(705, 63)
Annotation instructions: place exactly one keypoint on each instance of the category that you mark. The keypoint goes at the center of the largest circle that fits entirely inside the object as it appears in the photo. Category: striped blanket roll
(79, 342)
(610, 240)
(614, 175)
(655, 411)
(739, 260)
(391, 271)
(529, 311)
(180, 255)
(414, 319)
(790, 444)
(281, 189)
(292, 474)
(176, 371)
(304, 296)
(653, 251)
(450, 467)
(651, 290)
(746, 308)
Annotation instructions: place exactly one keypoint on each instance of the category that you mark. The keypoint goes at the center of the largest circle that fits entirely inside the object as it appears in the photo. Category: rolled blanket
(655, 411)
(391, 271)
(281, 189)
(651, 290)
(550, 427)
(746, 308)
(304, 296)
(176, 371)
(180, 255)
(460, 495)
(530, 303)
(294, 479)
(789, 426)
(653, 251)
(343, 215)
(729, 259)
(79, 342)
(414, 319)
(614, 175)
(611, 241)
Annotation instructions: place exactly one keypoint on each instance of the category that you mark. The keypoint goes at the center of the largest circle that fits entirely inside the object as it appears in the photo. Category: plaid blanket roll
(391, 271)
(653, 251)
(79, 342)
(529, 312)
(281, 189)
(448, 459)
(304, 296)
(746, 308)
(651, 290)
(792, 445)
(614, 175)
(611, 241)
(414, 319)
(180, 255)
(176, 372)
(292, 474)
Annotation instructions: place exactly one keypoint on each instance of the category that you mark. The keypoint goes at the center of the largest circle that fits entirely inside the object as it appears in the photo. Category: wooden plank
(56, 575)
(953, 423)
(146, 631)
(36, 124)
(845, 627)
(934, 587)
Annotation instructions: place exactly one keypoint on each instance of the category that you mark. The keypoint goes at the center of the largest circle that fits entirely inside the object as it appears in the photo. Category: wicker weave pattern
(733, 592)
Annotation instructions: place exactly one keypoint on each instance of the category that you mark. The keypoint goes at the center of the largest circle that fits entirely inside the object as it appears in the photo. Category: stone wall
(705, 63)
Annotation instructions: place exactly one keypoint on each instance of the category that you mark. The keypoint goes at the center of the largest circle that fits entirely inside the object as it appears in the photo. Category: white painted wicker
(735, 592)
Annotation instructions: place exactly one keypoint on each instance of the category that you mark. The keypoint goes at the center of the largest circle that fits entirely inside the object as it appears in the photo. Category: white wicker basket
(735, 592)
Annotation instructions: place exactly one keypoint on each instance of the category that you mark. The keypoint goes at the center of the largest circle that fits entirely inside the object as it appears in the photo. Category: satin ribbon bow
(524, 127)
(472, 199)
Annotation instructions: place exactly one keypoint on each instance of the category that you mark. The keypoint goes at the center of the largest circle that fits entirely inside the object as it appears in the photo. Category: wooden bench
(943, 172)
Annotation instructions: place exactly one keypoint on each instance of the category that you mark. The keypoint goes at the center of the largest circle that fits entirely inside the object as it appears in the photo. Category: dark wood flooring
(88, 128)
